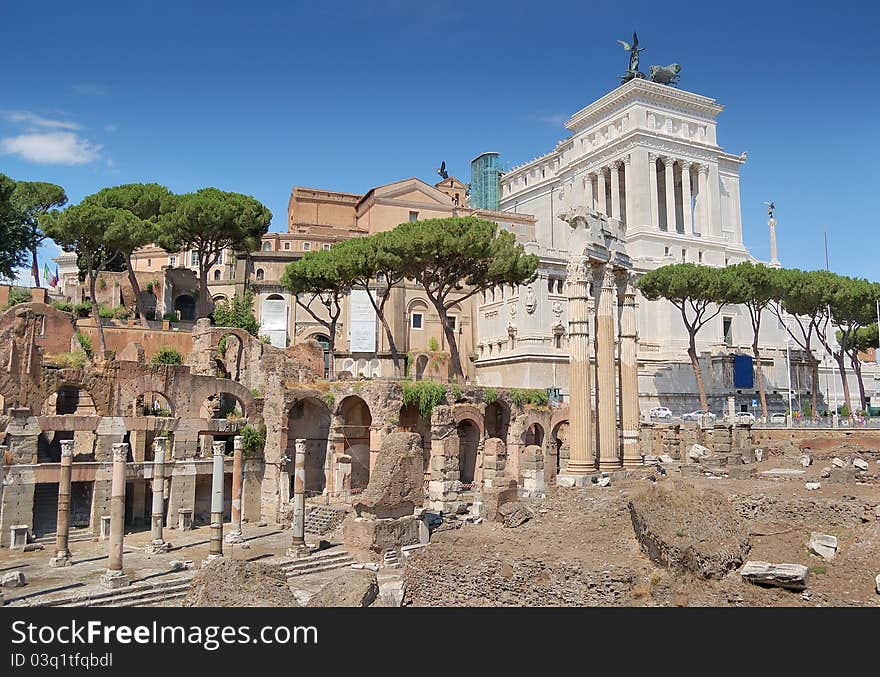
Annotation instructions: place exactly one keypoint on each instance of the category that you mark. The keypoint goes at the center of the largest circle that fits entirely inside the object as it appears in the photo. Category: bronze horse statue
(665, 75)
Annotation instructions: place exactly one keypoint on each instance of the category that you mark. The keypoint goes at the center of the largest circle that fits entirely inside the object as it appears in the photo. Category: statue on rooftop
(634, 50)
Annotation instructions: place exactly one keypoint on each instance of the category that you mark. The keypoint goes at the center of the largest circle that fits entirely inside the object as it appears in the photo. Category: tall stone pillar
(581, 432)
(668, 166)
(615, 190)
(652, 184)
(703, 187)
(234, 535)
(589, 197)
(628, 209)
(115, 577)
(157, 514)
(630, 418)
(215, 549)
(298, 524)
(601, 205)
(62, 526)
(686, 197)
(713, 203)
(606, 406)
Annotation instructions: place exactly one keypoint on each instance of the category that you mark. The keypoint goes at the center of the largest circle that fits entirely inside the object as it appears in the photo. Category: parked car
(698, 415)
(777, 418)
(745, 417)
(661, 412)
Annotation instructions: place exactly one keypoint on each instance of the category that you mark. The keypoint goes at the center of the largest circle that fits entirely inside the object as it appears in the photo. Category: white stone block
(838, 462)
(812, 486)
(824, 545)
(861, 464)
(698, 452)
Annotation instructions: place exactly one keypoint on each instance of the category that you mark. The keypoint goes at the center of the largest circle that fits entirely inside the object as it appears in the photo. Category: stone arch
(308, 418)
(558, 446)
(199, 389)
(185, 304)
(356, 423)
(411, 421)
(421, 367)
(497, 419)
(223, 405)
(469, 436)
(69, 398)
(534, 435)
(460, 412)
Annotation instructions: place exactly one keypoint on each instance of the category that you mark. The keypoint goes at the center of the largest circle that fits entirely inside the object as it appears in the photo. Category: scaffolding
(486, 181)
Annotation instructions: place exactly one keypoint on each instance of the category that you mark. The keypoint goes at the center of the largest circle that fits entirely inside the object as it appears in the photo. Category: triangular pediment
(410, 190)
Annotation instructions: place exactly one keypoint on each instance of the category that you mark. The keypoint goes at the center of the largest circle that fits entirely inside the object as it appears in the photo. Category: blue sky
(258, 97)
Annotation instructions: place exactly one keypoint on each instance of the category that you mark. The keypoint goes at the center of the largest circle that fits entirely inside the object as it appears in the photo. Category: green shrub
(18, 295)
(529, 396)
(237, 313)
(844, 411)
(83, 309)
(65, 306)
(423, 394)
(432, 344)
(329, 400)
(491, 395)
(85, 343)
(166, 355)
(74, 360)
(255, 393)
(221, 346)
(253, 439)
(265, 338)
(456, 392)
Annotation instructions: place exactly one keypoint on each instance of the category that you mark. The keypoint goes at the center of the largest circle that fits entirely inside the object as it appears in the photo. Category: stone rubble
(789, 576)
(823, 545)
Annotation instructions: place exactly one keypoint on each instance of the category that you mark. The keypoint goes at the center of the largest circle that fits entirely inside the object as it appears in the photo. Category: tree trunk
(815, 373)
(331, 348)
(454, 355)
(36, 268)
(698, 373)
(380, 312)
(136, 289)
(759, 374)
(203, 289)
(96, 313)
(857, 368)
(841, 367)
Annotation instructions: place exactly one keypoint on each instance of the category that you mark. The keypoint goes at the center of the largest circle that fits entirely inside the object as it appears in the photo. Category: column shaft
(298, 524)
(581, 434)
(216, 547)
(629, 375)
(628, 208)
(157, 516)
(605, 380)
(615, 190)
(62, 526)
(702, 186)
(652, 186)
(686, 197)
(117, 507)
(601, 203)
(589, 198)
(235, 531)
(670, 194)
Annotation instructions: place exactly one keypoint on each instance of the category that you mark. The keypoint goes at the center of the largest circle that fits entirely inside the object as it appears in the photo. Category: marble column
(157, 514)
(652, 183)
(298, 523)
(615, 190)
(601, 204)
(668, 166)
(589, 198)
(234, 535)
(62, 525)
(628, 211)
(115, 577)
(686, 197)
(702, 187)
(606, 391)
(628, 348)
(215, 549)
(582, 459)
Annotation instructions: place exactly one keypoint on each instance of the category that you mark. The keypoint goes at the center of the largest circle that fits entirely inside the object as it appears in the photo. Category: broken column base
(234, 537)
(158, 547)
(299, 551)
(566, 480)
(211, 558)
(115, 579)
(61, 560)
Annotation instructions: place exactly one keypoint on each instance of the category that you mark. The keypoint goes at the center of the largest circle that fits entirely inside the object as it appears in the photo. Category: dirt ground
(580, 548)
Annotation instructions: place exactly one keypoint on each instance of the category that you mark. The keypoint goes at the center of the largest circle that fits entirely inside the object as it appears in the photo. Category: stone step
(73, 537)
(140, 597)
(317, 563)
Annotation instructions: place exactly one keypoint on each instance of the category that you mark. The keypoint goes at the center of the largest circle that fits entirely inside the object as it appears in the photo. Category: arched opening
(273, 319)
(152, 403)
(309, 419)
(497, 420)
(185, 305)
(411, 421)
(421, 366)
(534, 435)
(223, 405)
(149, 302)
(559, 440)
(260, 274)
(324, 342)
(468, 443)
(69, 400)
(356, 428)
(217, 274)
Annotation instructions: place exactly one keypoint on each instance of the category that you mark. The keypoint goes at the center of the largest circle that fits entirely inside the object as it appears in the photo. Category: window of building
(149, 263)
(326, 246)
(216, 274)
(172, 261)
(450, 322)
(267, 246)
(260, 274)
(550, 283)
(557, 340)
(287, 245)
(559, 286)
(699, 257)
(193, 258)
(727, 330)
(542, 173)
(416, 321)
(413, 216)
(665, 251)
(307, 246)
(684, 253)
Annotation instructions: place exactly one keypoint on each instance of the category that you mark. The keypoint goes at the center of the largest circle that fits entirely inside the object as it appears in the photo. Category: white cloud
(24, 117)
(53, 148)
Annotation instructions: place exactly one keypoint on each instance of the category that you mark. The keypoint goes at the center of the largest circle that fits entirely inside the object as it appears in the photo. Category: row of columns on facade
(115, 575)
(597, 444)
(610, 173)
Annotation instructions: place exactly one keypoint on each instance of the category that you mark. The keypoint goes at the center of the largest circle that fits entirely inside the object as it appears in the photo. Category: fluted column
(601, 205)
(615, 189)
(589, 198)
(298, 523)
(686, 197)
(157, 517)
(606, 406)
(628, 208)
(234, 535)
(652, 184)
(703, 187)
(668, 166)
(215, 549)
(629, 372)
(62, 525)
(582, 461)
(115, 577)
